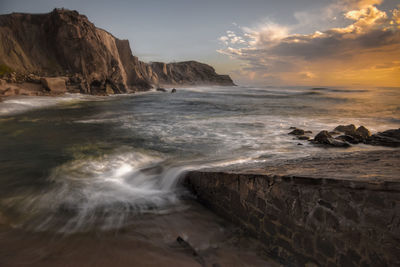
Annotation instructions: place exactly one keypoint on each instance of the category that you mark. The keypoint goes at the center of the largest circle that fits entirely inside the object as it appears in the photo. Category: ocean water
(77, 163)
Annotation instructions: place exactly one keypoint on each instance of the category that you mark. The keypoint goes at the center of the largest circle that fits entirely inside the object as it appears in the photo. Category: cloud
(338, 55)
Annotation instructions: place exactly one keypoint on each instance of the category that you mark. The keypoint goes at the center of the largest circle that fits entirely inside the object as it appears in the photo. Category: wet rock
(389, 138)
(348, 138)
(303, 137)
(363, 132)
(173, 91)
(346, 128)
(55, 85)
(159, 89)
(322, 137)
(334, 133)
(297, 132)
(325, 138)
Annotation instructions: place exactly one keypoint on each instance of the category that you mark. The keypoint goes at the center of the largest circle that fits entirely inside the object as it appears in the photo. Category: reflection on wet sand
(150, 240)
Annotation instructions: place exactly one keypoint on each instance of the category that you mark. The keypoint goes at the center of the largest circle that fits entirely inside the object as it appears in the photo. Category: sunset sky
(262, 42)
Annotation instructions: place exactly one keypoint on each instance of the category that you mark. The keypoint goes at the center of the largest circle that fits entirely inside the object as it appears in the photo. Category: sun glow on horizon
(365, 52)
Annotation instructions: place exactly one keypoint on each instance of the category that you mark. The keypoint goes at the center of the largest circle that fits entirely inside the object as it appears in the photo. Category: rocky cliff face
(188, 72)
(65, 43)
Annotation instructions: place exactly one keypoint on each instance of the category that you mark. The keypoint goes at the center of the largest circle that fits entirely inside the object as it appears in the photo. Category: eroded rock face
(66, 43)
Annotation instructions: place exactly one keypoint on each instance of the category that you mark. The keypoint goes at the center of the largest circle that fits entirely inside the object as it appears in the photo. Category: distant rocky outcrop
(188, 73)
(352, 135)
(64, 43)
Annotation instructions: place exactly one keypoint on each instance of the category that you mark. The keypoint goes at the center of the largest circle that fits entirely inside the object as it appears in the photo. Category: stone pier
(313, 212)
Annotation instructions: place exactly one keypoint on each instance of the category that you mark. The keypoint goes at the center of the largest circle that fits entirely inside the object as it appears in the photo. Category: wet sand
(150, 240)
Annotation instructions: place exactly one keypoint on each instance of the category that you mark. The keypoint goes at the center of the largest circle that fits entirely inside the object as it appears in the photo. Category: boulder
(346, 128)
(322, 137)
(325, 138)
(161, 89)
(359, 135)
(297, 132)
(173, 91)
(348, 138)
(54, 85)
(363, 132)
(390, 138)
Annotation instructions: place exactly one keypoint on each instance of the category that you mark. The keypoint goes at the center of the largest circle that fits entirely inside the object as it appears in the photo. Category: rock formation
(65, 43)
(352, 135)
(188, 73)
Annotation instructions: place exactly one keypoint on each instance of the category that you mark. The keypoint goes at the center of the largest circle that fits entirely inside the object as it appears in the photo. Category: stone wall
(308, 221)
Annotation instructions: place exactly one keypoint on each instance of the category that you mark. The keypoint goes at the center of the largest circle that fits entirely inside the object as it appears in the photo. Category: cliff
(188, 72)
(66, 44)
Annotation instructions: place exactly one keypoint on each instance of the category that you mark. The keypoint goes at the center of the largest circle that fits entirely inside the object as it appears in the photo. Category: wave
(20, 104)
(339, 90)
(89, 193)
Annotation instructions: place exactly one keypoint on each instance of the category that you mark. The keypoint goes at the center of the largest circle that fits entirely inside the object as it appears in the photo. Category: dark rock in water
(297, 132)
(363, 132)
(322, 137)
(325, 138)
(334, 133)
(348, 138)
(303, 137)
(292, 128)
(346, 128)
(358, 137)
(161, 89)
(360, 134)
(299, 144)
(389, 138)
(173, 90)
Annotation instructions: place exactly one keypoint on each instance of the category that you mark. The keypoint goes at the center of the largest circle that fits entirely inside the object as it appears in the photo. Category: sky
(257, 42)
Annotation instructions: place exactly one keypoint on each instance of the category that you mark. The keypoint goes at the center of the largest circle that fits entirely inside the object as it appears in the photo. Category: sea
(78, 164)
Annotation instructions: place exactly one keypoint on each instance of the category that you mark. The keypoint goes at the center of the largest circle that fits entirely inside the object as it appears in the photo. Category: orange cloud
(354, 54)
